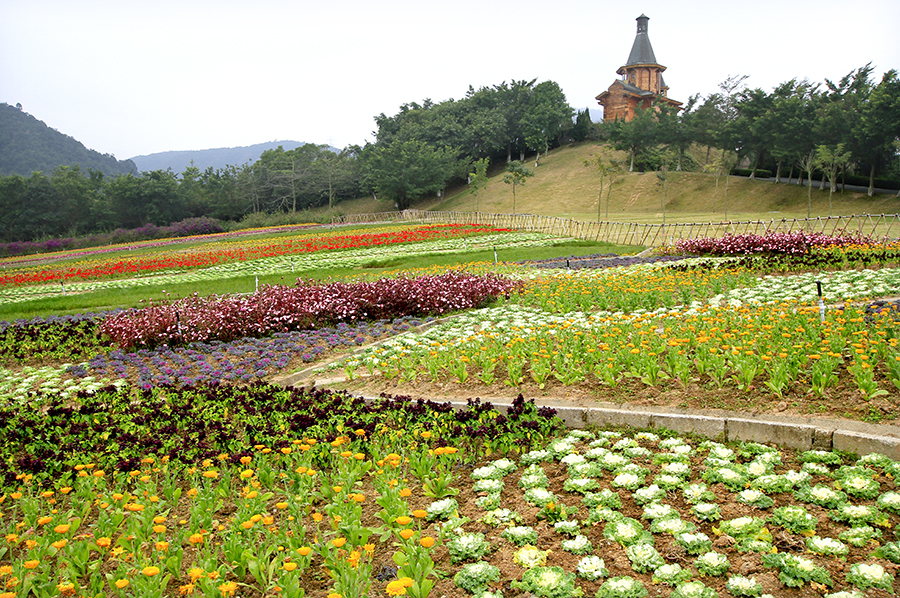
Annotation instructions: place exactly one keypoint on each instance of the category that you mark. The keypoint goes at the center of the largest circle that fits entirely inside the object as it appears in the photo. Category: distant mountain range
(28, 145)
(202, 159)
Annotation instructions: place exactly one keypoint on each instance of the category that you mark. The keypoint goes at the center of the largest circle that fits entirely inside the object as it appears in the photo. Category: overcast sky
(137, 77)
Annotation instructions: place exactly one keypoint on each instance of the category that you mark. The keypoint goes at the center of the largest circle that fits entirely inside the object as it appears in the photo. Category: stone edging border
(816, 434)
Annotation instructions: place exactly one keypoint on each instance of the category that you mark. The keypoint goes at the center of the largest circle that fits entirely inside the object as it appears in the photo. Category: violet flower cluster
(238, 361)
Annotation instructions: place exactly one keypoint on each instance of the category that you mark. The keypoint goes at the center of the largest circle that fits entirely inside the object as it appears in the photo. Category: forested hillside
(220, 157)
(28, 145)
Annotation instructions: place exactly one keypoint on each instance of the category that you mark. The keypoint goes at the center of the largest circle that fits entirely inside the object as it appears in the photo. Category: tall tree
(831, 160)
(516, 174)
(478, 178)
(635, 135)
(408, 170)
(547, 116)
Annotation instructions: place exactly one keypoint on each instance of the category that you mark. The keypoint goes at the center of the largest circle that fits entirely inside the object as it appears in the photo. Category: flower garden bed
(194, 478)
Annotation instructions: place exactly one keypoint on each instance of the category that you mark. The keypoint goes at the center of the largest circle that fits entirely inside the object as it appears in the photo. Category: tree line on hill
(427, 147)
(849, 125)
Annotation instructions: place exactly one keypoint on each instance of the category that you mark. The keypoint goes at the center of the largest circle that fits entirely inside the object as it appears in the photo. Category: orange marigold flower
(150, 571)
(121, 583)
(186, 589)
(406, 534)
(60, 544)
(247, 473)
(228, 588)
(66, 588)
(403, 520)
(427, 541)
(304, 550)
(396, 588)
(104, 542)
(62, 528)
(159, 529)
(404, 492)
(290, 566)
(44, 520)
(420, 513)
(31, 564)
(195, 539)
(281, 505)
(358, 497)
(162, 546)
(338, 542)
(12, 538)
(65, 489)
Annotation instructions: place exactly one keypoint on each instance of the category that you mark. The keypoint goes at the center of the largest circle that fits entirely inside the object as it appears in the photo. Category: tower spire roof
(641, 50)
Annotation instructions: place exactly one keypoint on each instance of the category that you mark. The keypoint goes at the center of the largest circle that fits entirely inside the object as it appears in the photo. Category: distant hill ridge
(217, 158)
(28, 145)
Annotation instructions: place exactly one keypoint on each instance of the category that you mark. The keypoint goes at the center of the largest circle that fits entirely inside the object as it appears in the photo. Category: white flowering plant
(827, 546)
(794, 571)
(529, 557)
(694, 543)
(579, 545)
(468, 547)
(442, 509)
(697, 492)
(520, 535)
(859, 486)
(794, 518)
(693, 589)
(626, 531)
(755, 498)
(870, 575)
(628, 481)
(489, 485)
(591, 568)
(621, 587)
(604, 498)
(476, 577)
(712, 564)
(644, 557)
(581, 485)
(889, 501)
(859, 515)
(820, 495)
(549, 582)
(658, 510)
(671, 574)
(539, 497)
(860, 535)
(501, 516)
(740, 586)
(649, 494)
(772, 484)
(741, 527)
(707, 511)
(671, 525)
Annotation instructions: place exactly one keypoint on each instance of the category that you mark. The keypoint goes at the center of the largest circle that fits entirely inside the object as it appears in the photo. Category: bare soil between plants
(842, 401)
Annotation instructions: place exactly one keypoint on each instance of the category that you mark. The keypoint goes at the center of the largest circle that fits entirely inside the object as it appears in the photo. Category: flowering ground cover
(219, 252)
(334, 497)
(193, 477)
(284, 265)
(647, 332)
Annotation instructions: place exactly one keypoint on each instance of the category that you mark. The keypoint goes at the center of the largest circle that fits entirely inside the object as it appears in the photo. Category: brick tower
(641, 83)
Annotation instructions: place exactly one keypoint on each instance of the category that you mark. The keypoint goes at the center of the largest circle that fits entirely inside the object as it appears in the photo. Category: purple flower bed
(307, 305)
(238, 361)
(771, 243)
(185, 228)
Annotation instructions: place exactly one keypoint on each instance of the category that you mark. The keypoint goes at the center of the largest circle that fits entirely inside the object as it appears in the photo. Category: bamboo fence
(876, 226)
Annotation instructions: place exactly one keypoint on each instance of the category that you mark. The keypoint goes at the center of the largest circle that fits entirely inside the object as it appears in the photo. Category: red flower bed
(139, 265)
(306, 305)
